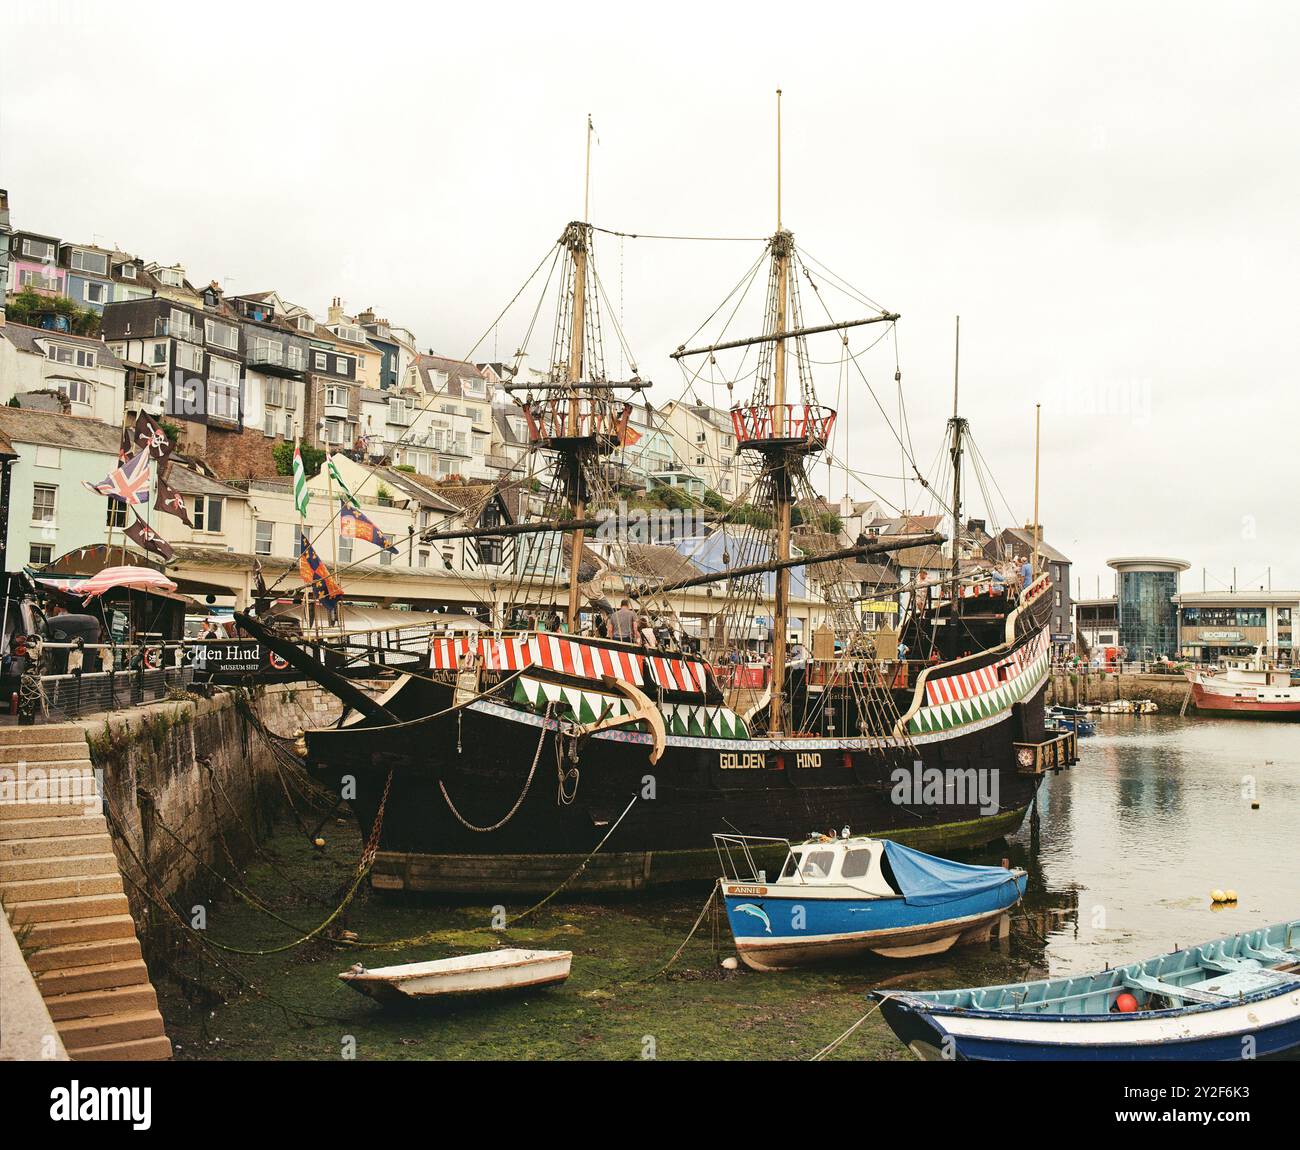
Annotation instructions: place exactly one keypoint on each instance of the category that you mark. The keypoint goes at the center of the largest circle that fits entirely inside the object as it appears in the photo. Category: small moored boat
(483, 973)
(852, 895)
(1236, 997)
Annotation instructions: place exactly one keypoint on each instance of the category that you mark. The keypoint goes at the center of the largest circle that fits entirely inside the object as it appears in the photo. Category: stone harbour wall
(190, 785)
(1078, 688)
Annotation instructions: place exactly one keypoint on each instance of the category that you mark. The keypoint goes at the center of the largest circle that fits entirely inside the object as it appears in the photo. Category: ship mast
(576, 239)
(782, 495)
(957, 425)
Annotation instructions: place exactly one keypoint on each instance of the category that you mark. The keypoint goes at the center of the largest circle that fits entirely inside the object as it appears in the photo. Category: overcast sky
(1108, 196)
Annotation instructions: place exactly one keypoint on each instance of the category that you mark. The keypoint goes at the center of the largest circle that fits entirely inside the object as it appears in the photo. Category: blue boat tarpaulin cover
(925, 880)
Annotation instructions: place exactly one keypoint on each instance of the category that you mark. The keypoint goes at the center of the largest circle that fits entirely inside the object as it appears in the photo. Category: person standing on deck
(624, 622)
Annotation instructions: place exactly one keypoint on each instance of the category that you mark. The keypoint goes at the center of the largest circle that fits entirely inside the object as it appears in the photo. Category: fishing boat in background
(1254, 688)
(495, 971)
(855, 895)
(1236, 997)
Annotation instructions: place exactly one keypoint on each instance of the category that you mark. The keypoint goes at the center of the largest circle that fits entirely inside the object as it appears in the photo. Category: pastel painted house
(50, 512)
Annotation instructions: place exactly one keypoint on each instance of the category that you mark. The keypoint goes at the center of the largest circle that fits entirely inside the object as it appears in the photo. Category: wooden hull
(491, 799)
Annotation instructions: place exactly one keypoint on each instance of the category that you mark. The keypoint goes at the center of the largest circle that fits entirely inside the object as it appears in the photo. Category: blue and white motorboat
(836, 897)
(1070, 719)
(1236, 997)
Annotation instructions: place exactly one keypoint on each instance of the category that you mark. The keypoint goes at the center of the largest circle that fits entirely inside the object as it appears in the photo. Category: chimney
(336, 310)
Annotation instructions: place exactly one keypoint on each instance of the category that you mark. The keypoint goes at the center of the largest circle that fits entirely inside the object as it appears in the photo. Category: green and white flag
(347, 496)
(301, 496)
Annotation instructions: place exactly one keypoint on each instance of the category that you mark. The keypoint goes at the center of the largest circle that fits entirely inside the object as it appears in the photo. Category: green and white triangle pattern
(586, 706)
(589, 706)
(945, 716)
(703, 722)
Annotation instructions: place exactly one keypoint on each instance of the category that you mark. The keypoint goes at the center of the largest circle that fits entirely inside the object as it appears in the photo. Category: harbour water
(1123, 854)
(1156, 815)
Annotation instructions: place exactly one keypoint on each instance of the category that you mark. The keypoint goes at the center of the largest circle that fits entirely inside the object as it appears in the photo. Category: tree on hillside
(28, 304)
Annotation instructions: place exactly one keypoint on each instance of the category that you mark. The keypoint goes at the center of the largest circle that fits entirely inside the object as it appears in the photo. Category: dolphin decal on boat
(758, 912)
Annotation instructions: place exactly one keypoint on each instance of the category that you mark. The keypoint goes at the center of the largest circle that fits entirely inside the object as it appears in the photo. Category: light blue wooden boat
(1236, 997)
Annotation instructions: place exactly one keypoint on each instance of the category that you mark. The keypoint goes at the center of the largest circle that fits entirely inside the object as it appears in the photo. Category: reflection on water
(1129, 843)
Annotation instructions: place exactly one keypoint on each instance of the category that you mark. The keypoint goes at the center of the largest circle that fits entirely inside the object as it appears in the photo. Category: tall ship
(509, 754)
(1253, 688)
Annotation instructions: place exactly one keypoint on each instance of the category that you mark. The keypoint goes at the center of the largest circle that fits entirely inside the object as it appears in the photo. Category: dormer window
(38, 249)
(306, 323)
(94, 262)
(128, 271)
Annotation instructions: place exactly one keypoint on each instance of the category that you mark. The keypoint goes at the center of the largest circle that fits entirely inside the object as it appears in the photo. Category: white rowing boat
(488, 972)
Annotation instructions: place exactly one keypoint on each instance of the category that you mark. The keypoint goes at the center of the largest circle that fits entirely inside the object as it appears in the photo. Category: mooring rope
(709, 902)
(831, 1047)
(528, 782)
(581, 867)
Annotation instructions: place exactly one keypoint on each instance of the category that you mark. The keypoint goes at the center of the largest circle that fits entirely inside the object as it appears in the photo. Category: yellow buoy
(1229, 896)
(1218, 896)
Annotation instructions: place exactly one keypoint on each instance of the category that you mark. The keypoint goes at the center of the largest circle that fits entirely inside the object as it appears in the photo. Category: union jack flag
(128, 484)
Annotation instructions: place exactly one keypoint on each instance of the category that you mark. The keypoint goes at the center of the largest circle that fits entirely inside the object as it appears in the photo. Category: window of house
(40, 554)
(84, 261)
(273, 392)
(345, 548)
(267, 350)
(160, 353)
(94, 292)
(268, 425)
(336, 397)
(172, 277)
(189, 357)
(306, 323)
(77, 390)
(321, 361)
(490, 551)
(385, 559)
(127, 271)
(265, 538)
(38, 249)
(221, 334)
(288, 425)
(342, 365)
(78, 356)
(207, 513)
(44, 498)
(297, 358)
(116, 515)
(297, 543)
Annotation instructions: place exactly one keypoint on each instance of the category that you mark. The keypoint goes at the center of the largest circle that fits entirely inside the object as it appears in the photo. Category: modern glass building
(1148, 616)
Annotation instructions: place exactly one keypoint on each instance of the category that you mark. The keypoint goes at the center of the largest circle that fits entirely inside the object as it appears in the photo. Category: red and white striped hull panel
(973, 684)
(1242, 699)
(567, 656)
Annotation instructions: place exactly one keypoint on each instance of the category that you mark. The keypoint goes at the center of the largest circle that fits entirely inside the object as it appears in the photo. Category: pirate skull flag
(171, 501)
(140, 532)
(150, 436)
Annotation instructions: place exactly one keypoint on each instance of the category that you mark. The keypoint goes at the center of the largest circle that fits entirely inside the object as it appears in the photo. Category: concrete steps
(62, 890)
(14, 850)
(72, 979)
(55, 866)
